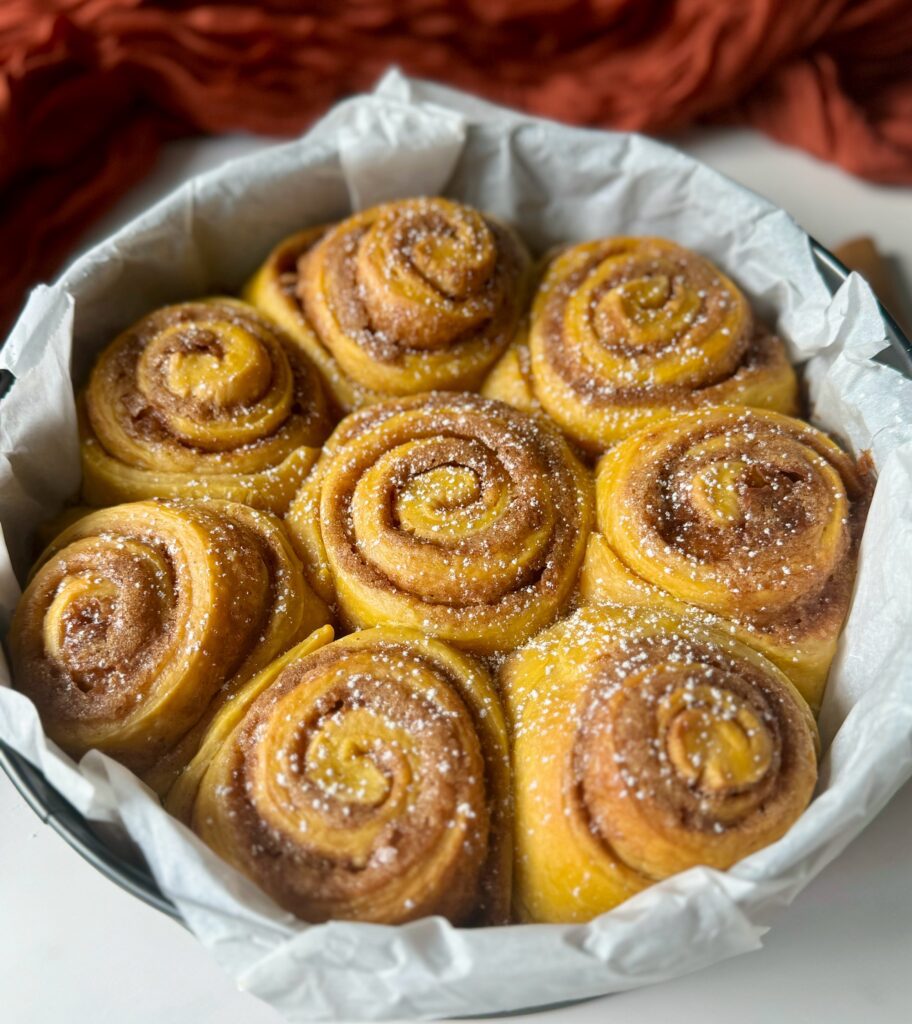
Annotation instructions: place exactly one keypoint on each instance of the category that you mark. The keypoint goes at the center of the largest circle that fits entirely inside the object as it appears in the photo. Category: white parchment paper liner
(557, 184)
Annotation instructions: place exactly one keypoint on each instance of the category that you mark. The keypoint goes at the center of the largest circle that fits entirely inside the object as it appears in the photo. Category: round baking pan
(134, 876)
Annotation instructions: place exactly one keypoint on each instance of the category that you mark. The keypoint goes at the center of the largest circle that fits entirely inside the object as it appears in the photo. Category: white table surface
(74, 947)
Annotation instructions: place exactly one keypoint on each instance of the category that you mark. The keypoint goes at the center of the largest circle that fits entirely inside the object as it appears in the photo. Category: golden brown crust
(625, 331)
(448, 512)
(140, 618)
(751, 516)
(369, 781)
(415, 295)
(201, 399)
(644, 744)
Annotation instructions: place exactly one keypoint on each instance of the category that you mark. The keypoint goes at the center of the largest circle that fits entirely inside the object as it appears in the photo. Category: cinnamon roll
(141, 619)
(626, 331)
(275, 289)
(451, 513)
(410, 296)
(645, 744)
(201, 399)
(366, 780)
(751, 517)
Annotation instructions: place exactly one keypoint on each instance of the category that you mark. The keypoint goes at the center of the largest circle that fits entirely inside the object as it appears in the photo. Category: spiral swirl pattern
(275, 290)
(645, 744)
(625, 331)
(447, 512)
(367, 780)
(202, 399)
(140, 619)
(412, 296)
(748, 515)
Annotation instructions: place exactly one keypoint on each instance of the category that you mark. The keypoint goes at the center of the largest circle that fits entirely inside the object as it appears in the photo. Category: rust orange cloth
(90, 88)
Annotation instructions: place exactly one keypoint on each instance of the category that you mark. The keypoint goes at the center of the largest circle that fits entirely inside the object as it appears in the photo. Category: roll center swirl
(430, 501)
(639, 313)
(456, 502)
(737, 490)
(454, 256)
(724, 498)
(225, 369)
(216, 378)
(78, 622)
(358, 758)
(106, 611)
(713, 740)
(645, 312)
(424, 269)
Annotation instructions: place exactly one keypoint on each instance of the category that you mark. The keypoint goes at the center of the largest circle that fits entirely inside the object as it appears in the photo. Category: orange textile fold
(89, 89)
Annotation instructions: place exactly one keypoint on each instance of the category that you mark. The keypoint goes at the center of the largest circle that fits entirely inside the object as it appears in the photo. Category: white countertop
(74, 947)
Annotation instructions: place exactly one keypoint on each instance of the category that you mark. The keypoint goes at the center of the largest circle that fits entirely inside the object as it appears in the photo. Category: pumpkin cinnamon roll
(626, 331)
(645, 744)
(201, 399)
(366, 780)
(410, 296)
(140, 619)
(451, 513)
(752, 517)
(275, 290)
